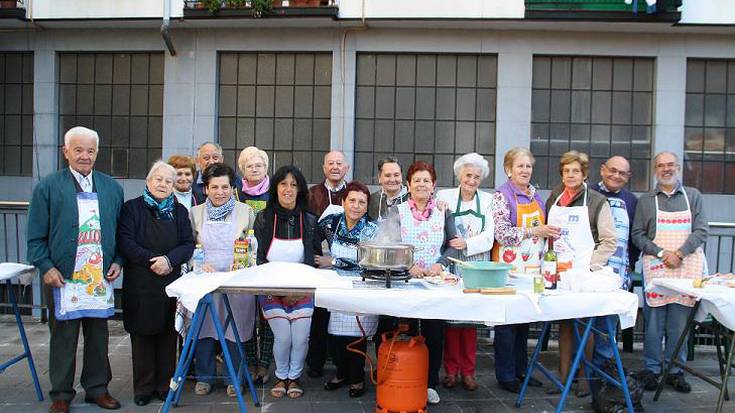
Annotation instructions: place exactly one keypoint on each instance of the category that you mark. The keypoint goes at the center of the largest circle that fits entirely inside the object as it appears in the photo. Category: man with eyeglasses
(210, 153)
(615, 173)
(670, 228)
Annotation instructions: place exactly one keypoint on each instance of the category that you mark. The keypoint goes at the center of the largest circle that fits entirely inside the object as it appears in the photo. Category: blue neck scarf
(164, 210)
(220, 213)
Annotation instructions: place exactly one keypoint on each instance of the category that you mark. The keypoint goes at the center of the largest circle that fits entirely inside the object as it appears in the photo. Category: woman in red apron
(286, 232)
(518, 215)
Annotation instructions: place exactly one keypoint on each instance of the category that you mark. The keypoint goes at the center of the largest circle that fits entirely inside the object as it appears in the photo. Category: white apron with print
(427, 236)
(87, 293)
(575, 245)
(218, 240)
(346, 324)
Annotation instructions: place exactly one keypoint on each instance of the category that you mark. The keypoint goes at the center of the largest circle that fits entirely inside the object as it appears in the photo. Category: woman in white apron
(472, 213)
(344, 232)
(217, 224)
(587, 239)
(286, 232)
(422, 224)
(518, 214)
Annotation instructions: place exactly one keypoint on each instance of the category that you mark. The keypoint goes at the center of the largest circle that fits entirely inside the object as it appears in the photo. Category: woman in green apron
(472, 212)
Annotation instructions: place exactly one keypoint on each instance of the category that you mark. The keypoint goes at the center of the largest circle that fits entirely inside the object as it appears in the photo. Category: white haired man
(670, 228)
(210, 153)
(72, 224)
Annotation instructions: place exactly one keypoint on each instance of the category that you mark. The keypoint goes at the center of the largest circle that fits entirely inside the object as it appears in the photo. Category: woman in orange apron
(518, 214)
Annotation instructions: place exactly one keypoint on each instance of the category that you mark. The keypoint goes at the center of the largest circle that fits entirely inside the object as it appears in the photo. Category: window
(434, 107)
(120, 95)
(279, 102)
(16, 114)
(602, 106)
(709, 125)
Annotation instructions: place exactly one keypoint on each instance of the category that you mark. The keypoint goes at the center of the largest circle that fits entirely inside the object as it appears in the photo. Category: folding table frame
(609, 334)
(26, 348)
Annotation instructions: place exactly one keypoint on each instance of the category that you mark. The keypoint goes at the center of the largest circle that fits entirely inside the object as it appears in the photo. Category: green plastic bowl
(485, 274)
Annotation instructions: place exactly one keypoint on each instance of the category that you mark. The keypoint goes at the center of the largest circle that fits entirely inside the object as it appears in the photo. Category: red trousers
(460, 350)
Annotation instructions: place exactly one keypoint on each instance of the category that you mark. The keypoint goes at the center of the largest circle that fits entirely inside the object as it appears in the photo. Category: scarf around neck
(221, 212)
(164, 209)
(257, 189)
(422, 215)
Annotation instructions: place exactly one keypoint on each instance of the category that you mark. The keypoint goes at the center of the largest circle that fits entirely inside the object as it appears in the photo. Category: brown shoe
(450, 380)
(104, 401)
(59, 406)
(469, 383)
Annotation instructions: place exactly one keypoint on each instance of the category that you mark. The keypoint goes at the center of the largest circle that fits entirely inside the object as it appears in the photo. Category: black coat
(147, 310)
(286, 229)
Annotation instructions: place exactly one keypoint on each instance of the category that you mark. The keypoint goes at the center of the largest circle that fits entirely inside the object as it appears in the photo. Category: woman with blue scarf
(344, 232)
(154, 237)
(217, 224)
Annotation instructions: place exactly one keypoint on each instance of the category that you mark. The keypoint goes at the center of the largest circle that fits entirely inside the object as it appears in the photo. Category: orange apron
(528, 253)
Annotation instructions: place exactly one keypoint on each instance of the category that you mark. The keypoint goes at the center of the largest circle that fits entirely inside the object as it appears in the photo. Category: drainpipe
(165, 33)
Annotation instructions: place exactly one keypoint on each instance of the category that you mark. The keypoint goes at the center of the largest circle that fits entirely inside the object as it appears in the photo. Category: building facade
(418, 79)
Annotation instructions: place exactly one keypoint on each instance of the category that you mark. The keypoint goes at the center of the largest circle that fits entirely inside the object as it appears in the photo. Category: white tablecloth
(450, 303)
(190, 288)
(718, 300)
(10, 270)
(338, 293)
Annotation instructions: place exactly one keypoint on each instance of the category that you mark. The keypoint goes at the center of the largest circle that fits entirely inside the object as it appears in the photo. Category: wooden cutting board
(490, 291)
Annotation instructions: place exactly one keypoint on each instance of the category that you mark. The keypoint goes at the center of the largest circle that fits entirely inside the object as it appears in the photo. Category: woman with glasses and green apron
(472, 212)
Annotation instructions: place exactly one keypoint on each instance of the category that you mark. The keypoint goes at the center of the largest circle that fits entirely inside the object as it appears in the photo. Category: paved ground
(17, 395)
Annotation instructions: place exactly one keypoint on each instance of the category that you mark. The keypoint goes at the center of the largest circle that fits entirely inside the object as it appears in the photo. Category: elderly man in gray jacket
(670, 229)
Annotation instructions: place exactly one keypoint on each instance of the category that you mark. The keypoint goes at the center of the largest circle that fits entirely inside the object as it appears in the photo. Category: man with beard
(670, 229)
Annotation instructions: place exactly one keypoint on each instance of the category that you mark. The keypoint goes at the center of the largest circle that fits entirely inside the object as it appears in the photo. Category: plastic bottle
(549, 269)
(538, 283)
(252, 249)
(197, 259)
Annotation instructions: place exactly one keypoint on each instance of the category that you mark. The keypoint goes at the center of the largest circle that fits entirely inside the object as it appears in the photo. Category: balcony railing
(663, 11)
(259, 8)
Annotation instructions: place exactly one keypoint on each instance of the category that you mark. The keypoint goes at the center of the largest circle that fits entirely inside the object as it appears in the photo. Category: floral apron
(672, 231)
(528, 253)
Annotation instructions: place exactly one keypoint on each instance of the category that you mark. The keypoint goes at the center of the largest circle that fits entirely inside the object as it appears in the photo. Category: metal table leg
(26, 348)
(725, 376)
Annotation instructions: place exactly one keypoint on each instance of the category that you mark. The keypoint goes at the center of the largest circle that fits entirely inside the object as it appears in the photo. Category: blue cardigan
(53, 221)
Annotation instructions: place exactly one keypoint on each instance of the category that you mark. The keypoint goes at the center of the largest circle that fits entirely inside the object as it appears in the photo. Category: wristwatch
(660, 254)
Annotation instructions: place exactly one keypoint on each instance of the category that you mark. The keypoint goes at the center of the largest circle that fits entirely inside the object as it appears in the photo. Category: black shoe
(678, 382)
(334, 385)
(142, 400)
(513, 386)
(531, 381)
(357, 391)
(314, 373)
(648, 379)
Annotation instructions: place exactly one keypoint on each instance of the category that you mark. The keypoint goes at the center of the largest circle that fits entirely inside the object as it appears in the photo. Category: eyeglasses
(615, 171)
(215, 157)
(255, 166)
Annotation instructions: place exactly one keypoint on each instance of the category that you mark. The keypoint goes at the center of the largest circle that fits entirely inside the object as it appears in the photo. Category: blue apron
(619, 260)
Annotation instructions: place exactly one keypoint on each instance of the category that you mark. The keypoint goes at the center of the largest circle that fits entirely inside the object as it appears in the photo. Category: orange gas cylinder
(403, 372)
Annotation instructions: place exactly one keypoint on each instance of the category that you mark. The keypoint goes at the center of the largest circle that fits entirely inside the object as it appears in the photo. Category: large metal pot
(394, 257)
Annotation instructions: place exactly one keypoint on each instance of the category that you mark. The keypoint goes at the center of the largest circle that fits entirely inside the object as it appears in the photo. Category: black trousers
(154, 361)
(350, 365)
(318, 341)
(433, 332)
(96, 372)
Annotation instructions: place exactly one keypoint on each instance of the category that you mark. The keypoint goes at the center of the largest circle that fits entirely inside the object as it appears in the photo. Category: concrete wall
(190, 91)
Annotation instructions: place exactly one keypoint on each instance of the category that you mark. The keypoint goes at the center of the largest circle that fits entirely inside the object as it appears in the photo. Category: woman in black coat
(155, 238)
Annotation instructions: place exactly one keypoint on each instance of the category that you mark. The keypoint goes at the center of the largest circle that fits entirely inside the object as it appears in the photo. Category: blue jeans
(511, 351)
(602, 350)
(667, 322)
(205, 363)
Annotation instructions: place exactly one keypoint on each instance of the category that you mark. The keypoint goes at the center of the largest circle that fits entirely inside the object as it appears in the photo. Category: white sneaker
(231, 390)
(202, 388)
(432, 396)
